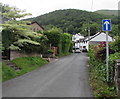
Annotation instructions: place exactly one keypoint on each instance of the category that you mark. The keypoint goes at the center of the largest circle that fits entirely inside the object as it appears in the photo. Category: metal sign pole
(107, 56)
(106, 23)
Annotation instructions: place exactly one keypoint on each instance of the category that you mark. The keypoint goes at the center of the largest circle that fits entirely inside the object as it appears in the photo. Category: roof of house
(100, 37)
(36, 23)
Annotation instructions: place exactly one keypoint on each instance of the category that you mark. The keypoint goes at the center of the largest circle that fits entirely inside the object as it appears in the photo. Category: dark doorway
(6, 55)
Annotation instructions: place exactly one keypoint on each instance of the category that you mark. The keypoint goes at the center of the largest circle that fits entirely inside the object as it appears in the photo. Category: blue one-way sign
(106, 25)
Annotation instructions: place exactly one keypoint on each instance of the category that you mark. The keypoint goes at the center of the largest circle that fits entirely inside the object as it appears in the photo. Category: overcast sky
(39, 7)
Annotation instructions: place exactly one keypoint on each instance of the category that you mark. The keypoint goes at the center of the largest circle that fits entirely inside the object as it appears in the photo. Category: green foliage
(98, 76)
(60, 40)
(50, 51)
(115, 30)
(116, 44)
(26, 63)
(17, 34)
(101, 53)
(66, 42)
(13, 30)
(94, 28)
(115, 56)
(7, 72)
(29, 63)
(54, 38)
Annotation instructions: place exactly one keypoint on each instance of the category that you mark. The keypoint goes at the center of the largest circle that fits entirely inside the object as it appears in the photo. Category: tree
(17, 34)
(54, 36)
(115, 30)
(94, 28)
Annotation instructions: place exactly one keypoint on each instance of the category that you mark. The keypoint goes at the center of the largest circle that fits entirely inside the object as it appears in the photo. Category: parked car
(84, 50)
(77, 50)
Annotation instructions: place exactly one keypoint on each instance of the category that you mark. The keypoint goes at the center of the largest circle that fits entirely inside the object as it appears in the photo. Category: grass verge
(26, 63)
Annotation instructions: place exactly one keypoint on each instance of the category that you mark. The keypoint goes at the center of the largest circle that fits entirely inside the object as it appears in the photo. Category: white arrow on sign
(106, 22)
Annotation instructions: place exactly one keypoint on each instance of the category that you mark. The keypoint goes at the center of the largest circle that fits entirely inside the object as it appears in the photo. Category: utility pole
(88, 35)
(88, 30)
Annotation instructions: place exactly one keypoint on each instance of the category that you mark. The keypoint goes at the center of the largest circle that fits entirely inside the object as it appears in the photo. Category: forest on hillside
(76, 21)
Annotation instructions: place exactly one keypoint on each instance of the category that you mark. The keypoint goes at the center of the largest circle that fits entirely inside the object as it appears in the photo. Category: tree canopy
(15, 33)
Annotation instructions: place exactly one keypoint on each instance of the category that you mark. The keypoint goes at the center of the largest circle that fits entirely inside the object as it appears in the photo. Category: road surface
(64, 77)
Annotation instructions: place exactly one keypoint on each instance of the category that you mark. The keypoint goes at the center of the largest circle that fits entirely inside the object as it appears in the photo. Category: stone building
(36, 27)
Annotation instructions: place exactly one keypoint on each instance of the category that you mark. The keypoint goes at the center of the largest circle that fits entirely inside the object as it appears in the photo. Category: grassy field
(26, 63)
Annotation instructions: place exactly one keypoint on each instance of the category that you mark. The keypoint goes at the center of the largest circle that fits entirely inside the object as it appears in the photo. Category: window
(34, 30)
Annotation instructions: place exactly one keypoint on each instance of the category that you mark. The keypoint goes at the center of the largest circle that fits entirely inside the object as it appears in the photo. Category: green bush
(98, 81)
(50, 51)
(60, 40)
(66, 43)
(71, 47)
(116, 45)
(55, 38)
(112, 59)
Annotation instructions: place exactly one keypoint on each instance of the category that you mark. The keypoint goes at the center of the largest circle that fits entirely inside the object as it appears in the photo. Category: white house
(97, 39)
(77, 37)
(78, 40)
(101, 37)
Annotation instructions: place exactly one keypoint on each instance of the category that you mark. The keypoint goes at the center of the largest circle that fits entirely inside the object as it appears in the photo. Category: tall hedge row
(60, 40)
(66, 42)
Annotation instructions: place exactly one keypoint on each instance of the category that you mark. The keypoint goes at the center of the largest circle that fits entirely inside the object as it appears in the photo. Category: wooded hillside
(73, 20)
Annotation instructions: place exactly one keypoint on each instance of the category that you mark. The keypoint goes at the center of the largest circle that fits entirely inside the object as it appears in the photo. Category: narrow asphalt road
(64, 77)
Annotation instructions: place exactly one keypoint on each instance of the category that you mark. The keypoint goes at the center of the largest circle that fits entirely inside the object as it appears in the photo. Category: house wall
(94, 42)
(35, 27)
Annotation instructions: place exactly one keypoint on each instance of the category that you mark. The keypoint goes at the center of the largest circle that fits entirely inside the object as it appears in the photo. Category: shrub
(50, 51)
(60, 40)
(66, 42)
(55, 38)
(98, 81)
(116, 45)
(101, 53)
(112, 59)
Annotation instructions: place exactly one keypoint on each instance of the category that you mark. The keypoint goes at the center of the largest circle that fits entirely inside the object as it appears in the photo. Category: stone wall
(117, 76)
(16, 54)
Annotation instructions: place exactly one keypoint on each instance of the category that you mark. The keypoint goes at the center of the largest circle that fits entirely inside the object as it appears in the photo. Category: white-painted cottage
(77, 37)
(82, 42)
(97, 39)
(78, 40)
